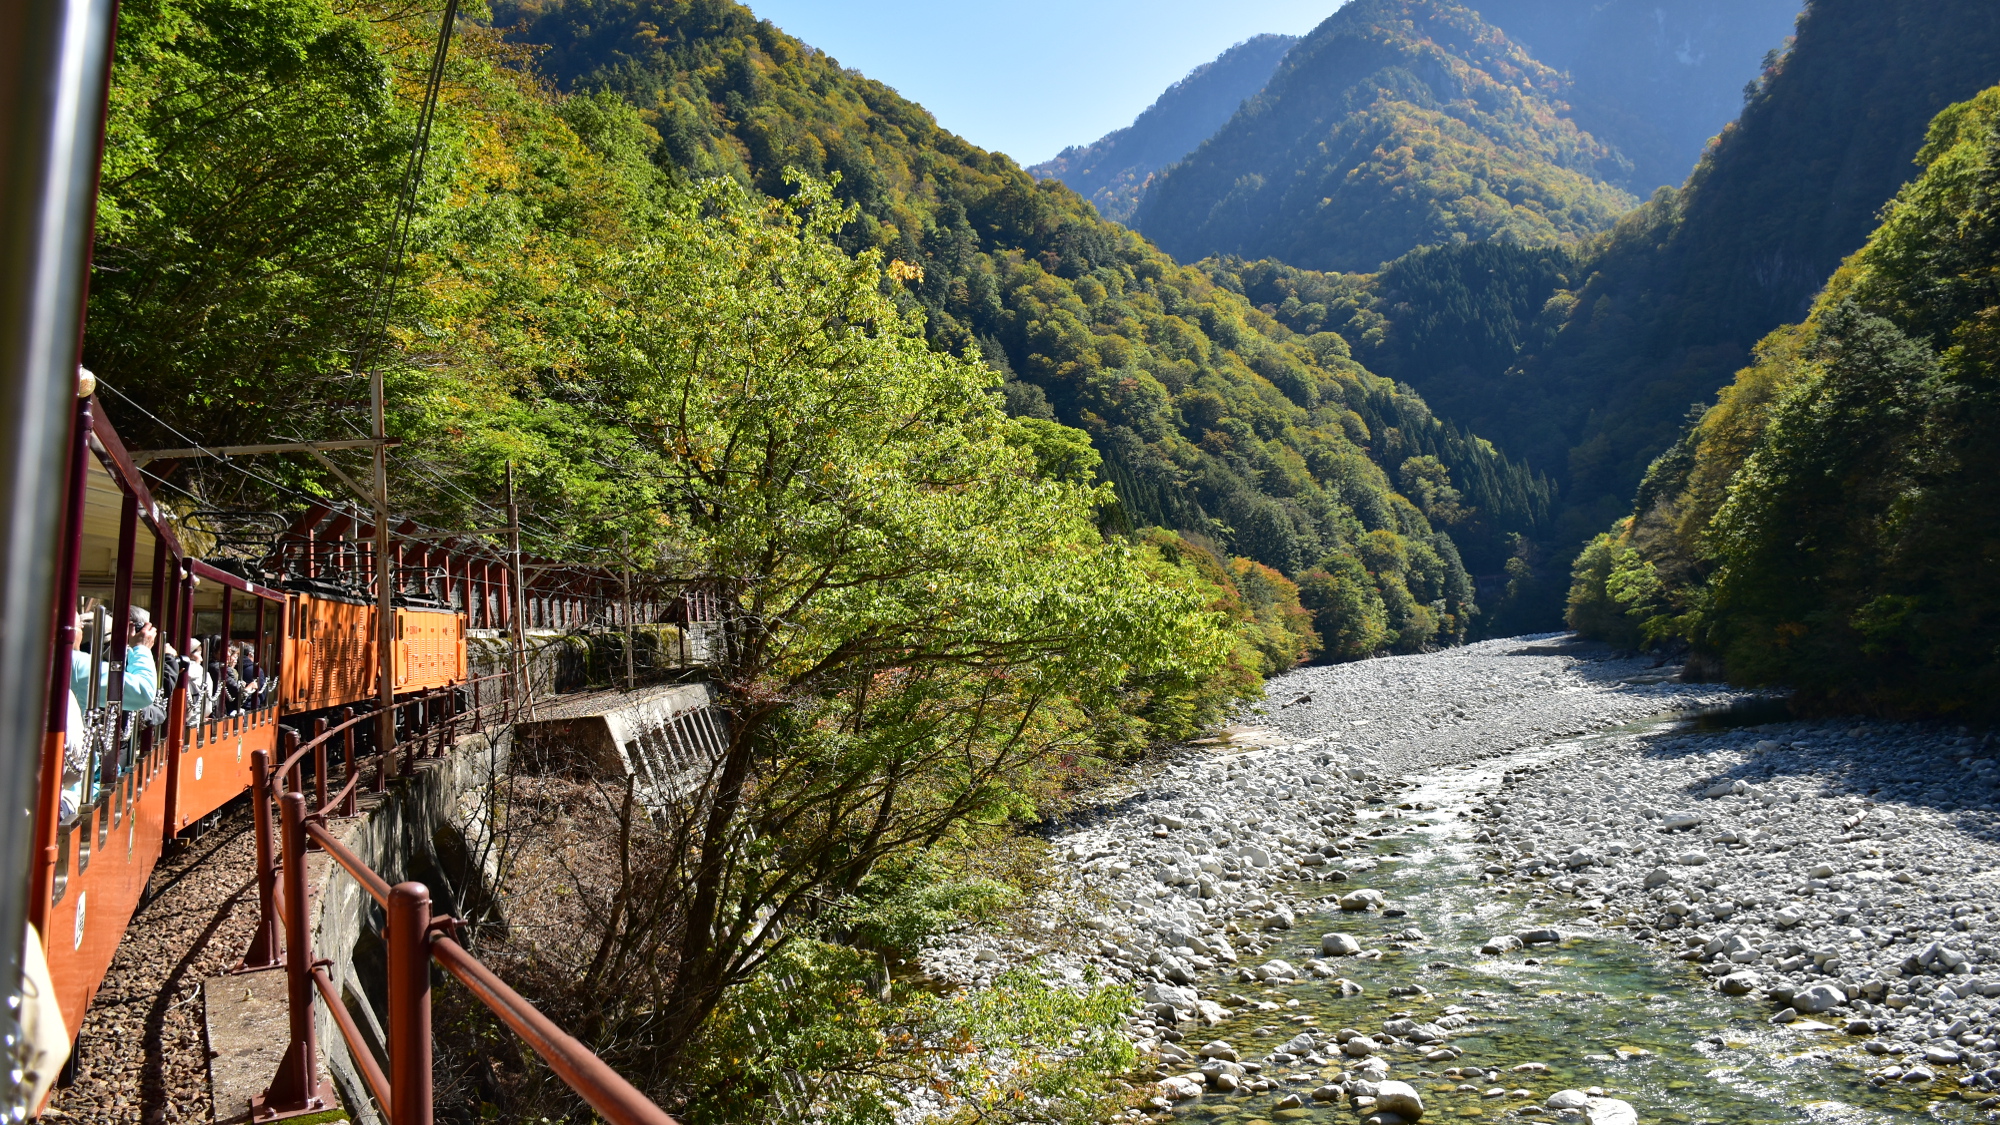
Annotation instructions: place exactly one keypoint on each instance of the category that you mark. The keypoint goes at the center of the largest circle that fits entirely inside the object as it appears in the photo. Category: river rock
(1610, 1111)
(1220, 1051)
(1181, 1087)
(1289, 1101)
(1361, 1046)
(1738, 984)
(1567, 1099)
(1818, 998)
(1338, 945)
(1216, 1069)
(1364, 899)
(1274, 970)
(1505, 943)
(1401, 1099)
(1181, 999)
(1658, 877)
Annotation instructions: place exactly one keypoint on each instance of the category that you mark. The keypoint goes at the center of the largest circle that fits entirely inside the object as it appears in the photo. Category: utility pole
(385, 580)
(625, 549)
(521, 679)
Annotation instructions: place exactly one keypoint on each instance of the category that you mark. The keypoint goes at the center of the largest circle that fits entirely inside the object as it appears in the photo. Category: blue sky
(1028, 77)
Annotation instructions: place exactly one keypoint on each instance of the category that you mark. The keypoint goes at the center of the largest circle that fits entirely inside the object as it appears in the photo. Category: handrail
(580, 1069)
(371, 1071)
(413, 941)
(318, 740)
(477, 717)
(376, 886)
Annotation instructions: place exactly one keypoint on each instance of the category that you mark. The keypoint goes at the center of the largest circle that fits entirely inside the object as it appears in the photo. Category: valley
(1537, 881)
(1444, 572)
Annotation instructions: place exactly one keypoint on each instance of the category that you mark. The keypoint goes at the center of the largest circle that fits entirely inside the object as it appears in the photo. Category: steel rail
(580, 1069)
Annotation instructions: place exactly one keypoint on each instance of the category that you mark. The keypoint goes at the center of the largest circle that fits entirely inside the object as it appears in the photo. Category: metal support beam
(142, 456)
(326, 461)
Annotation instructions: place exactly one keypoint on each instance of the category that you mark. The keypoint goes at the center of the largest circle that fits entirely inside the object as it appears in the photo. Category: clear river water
(1599, 1010)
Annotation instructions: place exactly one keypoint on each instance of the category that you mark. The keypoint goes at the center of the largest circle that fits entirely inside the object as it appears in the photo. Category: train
(137, 763)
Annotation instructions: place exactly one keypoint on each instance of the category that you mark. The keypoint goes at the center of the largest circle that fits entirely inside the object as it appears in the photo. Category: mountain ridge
(1210, 417)
(1114, 171)
(1394, 124)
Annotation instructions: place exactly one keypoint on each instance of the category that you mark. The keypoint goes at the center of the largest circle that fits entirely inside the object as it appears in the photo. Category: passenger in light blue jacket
(142, 676)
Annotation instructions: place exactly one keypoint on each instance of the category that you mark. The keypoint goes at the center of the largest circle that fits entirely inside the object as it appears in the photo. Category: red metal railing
(412, 936)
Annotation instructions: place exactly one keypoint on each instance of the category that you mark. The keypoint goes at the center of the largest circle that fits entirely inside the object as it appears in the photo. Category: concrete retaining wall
(429, 827)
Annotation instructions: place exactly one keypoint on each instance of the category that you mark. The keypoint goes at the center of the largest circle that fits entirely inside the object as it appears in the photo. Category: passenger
(200, 688)
(252, 676)
(142, 677)
(76, 732)
(229, 679)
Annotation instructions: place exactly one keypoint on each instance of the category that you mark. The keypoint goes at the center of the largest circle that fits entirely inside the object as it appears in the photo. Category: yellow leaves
(900, 270)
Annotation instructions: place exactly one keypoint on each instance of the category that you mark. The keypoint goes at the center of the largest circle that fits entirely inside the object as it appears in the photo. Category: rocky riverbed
(1506, 880)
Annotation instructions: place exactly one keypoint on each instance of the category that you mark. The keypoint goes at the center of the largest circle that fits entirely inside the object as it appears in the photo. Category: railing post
(348, 766)
(320, 780)
(409, 955)
(297, 1088)
(385, 764)
(415, 741)
(264, 945)
(289, 781)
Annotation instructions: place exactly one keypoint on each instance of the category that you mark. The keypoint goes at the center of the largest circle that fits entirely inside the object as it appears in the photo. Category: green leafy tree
(917, 626)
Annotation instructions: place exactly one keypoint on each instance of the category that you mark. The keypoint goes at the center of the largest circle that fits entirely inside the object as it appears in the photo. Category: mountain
(1209, 415)
(1668, 306)
(1394, 124)
(1583, 365)
(1656, 79)
(1114, 170)
(1830, 523)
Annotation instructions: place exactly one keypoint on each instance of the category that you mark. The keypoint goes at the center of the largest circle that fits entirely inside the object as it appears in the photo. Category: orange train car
(159, 740)
(158, 743)
(331, 639)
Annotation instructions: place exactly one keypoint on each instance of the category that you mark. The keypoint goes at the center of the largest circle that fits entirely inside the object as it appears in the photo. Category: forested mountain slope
(1395, 124)
(1584, 364)
(1668, 306)
(1210, 416)
(1831, 521)
(1656, 79)
(1114, 170)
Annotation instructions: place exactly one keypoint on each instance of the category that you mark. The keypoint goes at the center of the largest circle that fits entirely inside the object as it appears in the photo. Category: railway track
(141, 1055)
